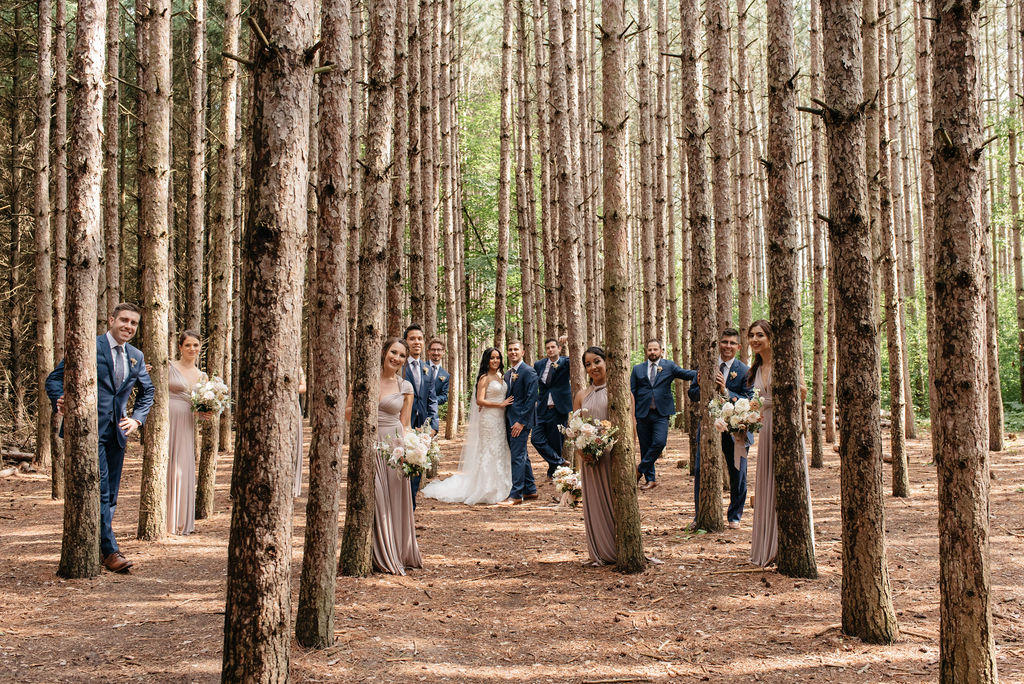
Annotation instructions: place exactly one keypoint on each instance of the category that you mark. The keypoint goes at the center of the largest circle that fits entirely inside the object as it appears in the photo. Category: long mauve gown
(394, 529)
(598, 516)
(764, 543)
(181, 466)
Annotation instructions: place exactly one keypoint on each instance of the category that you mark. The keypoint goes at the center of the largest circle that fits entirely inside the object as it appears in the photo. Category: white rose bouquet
(568, 482)
(413, 454)
(210, 396)
(739, 417)
(592, 437)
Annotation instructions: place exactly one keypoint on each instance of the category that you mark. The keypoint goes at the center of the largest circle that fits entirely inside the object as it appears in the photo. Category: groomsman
(553, 404)
(424, 403)
(731, 381)
(520, 417)
(437, 373)
(119, 368)
(651, 385)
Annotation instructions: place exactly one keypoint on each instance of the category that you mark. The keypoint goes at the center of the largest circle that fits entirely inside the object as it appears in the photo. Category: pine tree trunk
(111, 148)
(792, 504)
(661, 191)
(80, 543)
(314, 621)
(356, 141)
(524, 188)
(13, 367)
(356, 559)
(966, 641)
(645, 128)
(154, 48)
(818, 372)
(718, 85)
(43, 246)
(257, 611)
(448, 135)
(60, 224)
(745, 219)
(995, 395)
(429, 60)
(400, 175)
(417, 29)
(220, 262)
(869, 36)
(629, 550)
(923, 72)
(196, 205)
(1014, 194)
(866, 595)
(504, 178)
(701, 254)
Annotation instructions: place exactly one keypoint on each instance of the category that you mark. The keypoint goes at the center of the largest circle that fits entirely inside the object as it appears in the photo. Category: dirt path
(503, 596)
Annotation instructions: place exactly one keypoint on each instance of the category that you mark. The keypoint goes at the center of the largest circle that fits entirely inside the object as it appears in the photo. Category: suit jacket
(111, 402)
(441, 385)
(424, 403)
(735, 387)
(524, 389)
(661, 391)
(557, 386)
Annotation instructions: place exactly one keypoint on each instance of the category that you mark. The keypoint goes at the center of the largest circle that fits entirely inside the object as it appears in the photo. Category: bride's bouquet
(739, 417)
(591, 436)
(414, 454)
(210, 396)
(568, 482)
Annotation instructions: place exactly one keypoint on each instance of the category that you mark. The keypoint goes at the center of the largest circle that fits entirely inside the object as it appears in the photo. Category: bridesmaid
(181, 467)
(394, 529)
(298, 449)
(598, 515)
(765, 541)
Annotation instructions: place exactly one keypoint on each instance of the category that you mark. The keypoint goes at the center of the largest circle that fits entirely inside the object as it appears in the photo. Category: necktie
(651, 373)
(547, 372)
(721, 368)
(433, 372)
(118, 366)
(416, 373)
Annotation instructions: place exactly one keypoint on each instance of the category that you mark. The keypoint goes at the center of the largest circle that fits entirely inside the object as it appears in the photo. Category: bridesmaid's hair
(485, 362)
(390, 342)
(185, 334)
(596, 351)
(766, 326)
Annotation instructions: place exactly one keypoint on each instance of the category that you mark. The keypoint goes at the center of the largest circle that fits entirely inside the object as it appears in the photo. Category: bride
(485, 468)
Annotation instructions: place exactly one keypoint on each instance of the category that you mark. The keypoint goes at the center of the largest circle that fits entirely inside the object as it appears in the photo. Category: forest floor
(503, 595)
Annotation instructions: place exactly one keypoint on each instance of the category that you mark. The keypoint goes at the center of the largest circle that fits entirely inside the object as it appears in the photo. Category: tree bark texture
(111, 143)
(709, 508)
(154, 45)
(792, 504)
(504, 178)
(220, 262)
(818, 237)
(745, 218)
(629, 550)
(196, 202)
(645, 128)
(80, 542)
(966, 640)
(356, 557)
(400, 175)
(60, 222)
(718, 85)
(43, 238)
(314, 621)
(257, 611)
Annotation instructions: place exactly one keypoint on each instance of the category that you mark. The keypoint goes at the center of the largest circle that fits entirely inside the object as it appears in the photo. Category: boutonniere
(424, 368)
(133, 362)
(732, 376)
(554, 364)
(659, 369)
(515, 376)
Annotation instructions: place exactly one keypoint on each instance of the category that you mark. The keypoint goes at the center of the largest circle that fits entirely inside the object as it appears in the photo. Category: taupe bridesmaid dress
(394, 529)
(181, 465)
(598, 516)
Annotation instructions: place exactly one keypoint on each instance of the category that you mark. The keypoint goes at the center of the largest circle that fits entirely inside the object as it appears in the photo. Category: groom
(519, 418)
(424, 402)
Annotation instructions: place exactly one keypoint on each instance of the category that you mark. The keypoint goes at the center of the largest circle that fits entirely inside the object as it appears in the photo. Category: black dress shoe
(116, 562)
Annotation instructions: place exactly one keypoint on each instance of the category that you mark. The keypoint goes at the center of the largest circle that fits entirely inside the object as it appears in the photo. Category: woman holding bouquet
(181, 466)
(598, 516)
(394, 529)
(765, 541)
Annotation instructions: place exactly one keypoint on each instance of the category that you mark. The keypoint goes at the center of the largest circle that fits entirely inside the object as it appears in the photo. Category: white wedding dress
(485, 469)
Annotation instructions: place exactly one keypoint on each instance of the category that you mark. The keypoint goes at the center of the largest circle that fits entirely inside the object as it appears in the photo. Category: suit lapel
(108, 354)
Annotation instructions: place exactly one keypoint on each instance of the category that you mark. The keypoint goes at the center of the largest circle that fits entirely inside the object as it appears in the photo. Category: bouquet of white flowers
(568, 482)
(210, 396)
(592, 437)
(413, 454)
(739, 417)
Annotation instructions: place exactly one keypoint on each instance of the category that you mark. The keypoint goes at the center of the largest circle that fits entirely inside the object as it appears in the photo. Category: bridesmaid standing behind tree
(181, 467)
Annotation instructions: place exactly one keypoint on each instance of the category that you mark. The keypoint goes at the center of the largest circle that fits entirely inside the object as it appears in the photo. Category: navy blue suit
(735, 387)
(654, 406)
(546, 438)
(111, 407)
(523, 389)
(424, 407)
(441, 382)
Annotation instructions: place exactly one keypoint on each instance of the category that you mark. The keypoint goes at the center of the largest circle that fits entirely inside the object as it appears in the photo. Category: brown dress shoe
(116, 562)
(530, 497)
(648, 486)
(510, 502)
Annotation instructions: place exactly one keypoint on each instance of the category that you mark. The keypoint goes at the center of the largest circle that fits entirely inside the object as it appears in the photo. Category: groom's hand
(516, 429)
